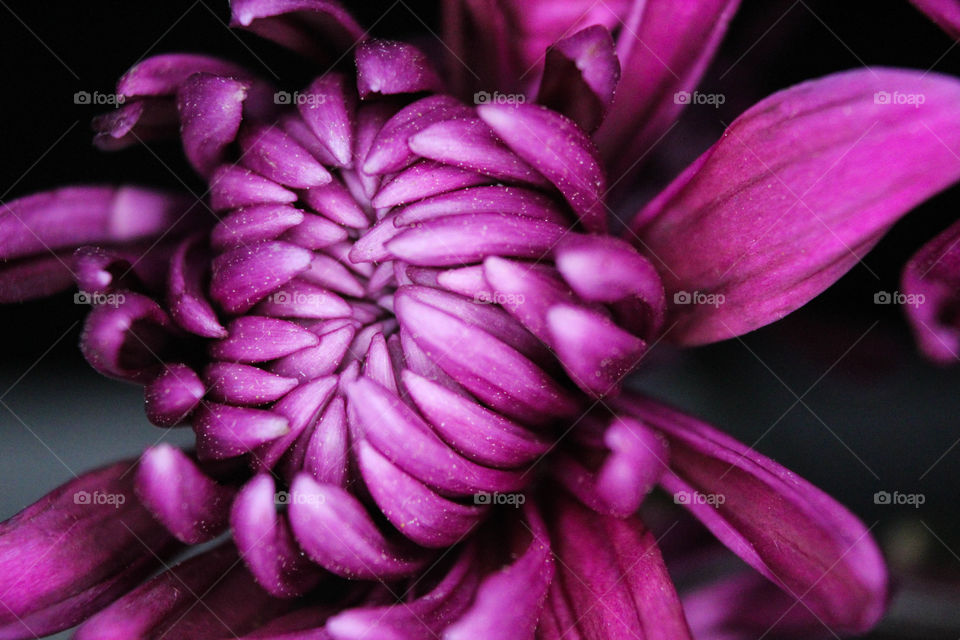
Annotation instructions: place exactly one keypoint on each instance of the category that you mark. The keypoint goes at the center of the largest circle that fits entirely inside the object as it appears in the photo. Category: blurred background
(836, 391)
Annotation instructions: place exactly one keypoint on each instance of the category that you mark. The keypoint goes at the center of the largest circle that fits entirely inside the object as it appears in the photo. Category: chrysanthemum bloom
(399, 326)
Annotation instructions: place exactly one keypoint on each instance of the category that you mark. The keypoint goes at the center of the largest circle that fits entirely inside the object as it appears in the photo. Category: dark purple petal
(75, 216)
(244, 276)
(34, 277)
(74, 551)
(945, 13)
(931, 282)
(180, 496)
(266, 542)
(558, 149)
(126, 338)
(337, 533)
(319, 29)
(799, 188)
(388, 67)
(508, 602)
(224, 431)
(173, 395)
(580, 75)
(664, 48)
(210, 595)
(186, 290)
(275, 155)
(210, 108)
(782, 526)
(259, 339)
(611, 581)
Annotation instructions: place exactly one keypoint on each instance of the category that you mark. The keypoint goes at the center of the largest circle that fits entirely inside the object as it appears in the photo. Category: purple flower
(399, 326)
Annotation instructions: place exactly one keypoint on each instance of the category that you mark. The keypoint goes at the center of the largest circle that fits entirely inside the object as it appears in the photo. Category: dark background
(872, 415)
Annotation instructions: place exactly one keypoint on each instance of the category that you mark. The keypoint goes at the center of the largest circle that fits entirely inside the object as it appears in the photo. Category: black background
(879, 419)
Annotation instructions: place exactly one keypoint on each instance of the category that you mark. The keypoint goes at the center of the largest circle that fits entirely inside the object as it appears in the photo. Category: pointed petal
(224, 431)
(782, 526)
(328, 106)
(210, 108)
(558, 149)
(275, 155)
(243, 276)
(187, 290)
(259, 339)
(388, 67)
(232, 187)
(251, 225)
(793, 195)
(180, 496)
(173, 395)
(301, 407)
(243, 384)
(424, 179)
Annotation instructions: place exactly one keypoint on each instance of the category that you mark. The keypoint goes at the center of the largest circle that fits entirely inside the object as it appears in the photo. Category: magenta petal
(328, 106)
(793, 195)
(190, 505)
(136, 121)
(493, 199)
(326, 456)
(298, 299)
(664, 49)
(611, 581)
(251, 225)
(301, 407)
(334, 201)
(388, 67)
(243, 276)
(931, 282)
(580, 75)
(316, 232)
(462, 239)
(211, 108)
(415, 510)
(162, 75)
(508, 602)
(424, 179)
(195, 599)
(186, 290)
(258, 339)
(408, 442)
(319, 29)
(75, 216)
(945, 13)
(559, 150)
(266, 542)
(243, 384)
(785, 528)
(224, 431)
(389, 151)
(321, 359)
(470, 144)
(425, 616)
(275, 155)
(232, 187)
(74, 551)
(474, 431)
(336, 532)
(173, 395)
